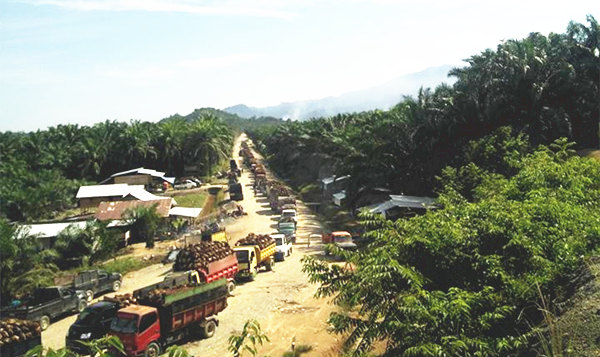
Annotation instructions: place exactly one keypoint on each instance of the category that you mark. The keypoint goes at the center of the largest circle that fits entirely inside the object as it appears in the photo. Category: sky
(86, 61)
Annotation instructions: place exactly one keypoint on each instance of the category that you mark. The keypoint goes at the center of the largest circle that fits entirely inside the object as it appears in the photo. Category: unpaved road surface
(281, 301)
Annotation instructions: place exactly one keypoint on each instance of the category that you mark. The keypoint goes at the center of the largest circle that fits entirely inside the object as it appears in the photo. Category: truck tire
(89, 295)
(81, 305)
(269, 264)
(44, 322)
(230, 288)
(209, 328)
(116, 285)
(152, 350)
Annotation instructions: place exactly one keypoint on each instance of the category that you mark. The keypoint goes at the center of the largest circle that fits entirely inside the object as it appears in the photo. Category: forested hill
(542, 87)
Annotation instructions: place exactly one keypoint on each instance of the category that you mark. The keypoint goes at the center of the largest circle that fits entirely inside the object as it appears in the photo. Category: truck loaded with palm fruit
(254, 252)
(204, 262)
(165, 316)
(18, 336)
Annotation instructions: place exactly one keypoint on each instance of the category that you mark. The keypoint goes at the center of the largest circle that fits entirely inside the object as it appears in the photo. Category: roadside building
(92, 196)
(151, 180)
(333, 184)
(45, 233)
(401, 206)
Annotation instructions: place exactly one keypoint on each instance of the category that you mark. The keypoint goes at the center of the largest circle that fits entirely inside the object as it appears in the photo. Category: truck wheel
(81, 305)
(209, 328)
(230, 288)
(116, 285)
(152, 350)
(44, 322)
(89, 295)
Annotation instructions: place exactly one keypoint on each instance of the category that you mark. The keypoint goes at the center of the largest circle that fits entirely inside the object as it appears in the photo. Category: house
(46, 233)
(115, 210)
(92, 196)
(148, 178)
(339, 198)
(333, 184)
(401, 205)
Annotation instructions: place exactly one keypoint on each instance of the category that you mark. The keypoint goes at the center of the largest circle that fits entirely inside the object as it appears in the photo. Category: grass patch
(126, 265)
(192, 199)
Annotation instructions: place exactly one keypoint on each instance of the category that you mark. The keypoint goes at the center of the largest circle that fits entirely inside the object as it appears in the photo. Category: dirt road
(281, 300)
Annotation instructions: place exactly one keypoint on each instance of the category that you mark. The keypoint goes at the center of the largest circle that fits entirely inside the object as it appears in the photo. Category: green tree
(462, 280)
(144, 223)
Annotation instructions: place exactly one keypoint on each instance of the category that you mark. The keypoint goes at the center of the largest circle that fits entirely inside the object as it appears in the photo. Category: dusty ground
(281, 300)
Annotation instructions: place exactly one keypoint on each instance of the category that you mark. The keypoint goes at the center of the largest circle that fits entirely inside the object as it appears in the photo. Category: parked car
(92, 323)
(48, 303)
(96, 282)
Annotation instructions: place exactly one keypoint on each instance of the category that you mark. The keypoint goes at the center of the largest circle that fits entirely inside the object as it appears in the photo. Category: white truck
(283, 246)
(291, 213)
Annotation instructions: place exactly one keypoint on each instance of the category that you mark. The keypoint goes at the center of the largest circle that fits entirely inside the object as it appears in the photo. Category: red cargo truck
(165, 317)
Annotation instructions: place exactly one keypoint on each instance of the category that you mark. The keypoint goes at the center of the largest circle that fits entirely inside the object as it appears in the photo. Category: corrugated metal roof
(402, 201)
(114, 190)
(140, 171)
(185, 211)
(115, 210)
(332, 179)
(143, 195)
(47, 230)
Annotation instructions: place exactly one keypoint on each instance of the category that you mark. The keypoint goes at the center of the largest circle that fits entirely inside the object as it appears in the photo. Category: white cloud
(235, 8)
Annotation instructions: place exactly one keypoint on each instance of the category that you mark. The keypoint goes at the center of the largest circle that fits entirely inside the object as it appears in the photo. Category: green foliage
(42, 170)
(144, 222)
(248, 340)
(462, 280)
(542, 88)
(125, 265)
(101, 347)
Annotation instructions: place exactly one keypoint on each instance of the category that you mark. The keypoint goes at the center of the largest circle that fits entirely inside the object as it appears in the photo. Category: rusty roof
(115, 210)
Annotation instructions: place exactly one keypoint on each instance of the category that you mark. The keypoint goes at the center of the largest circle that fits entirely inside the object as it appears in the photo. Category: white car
(283, 246)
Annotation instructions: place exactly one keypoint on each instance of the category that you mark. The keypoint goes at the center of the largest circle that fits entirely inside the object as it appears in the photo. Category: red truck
(165, 317)
(223, 268)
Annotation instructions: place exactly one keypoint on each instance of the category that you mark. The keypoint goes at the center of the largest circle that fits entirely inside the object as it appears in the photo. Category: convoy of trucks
(186, 301)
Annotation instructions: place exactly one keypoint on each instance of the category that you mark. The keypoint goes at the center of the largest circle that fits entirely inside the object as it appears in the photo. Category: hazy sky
(84, 61)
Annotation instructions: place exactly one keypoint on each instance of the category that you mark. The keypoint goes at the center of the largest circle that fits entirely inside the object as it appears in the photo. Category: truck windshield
(242, 256)
(342, 239)
(279, 241)
(125, 324)
(88, 317)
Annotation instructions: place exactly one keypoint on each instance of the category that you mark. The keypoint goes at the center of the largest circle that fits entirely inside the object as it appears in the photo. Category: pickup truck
(289, 213)
(162, 320)
(283, 246)
(48, 303)
(92, 323)
(340, 239)
(97, 281)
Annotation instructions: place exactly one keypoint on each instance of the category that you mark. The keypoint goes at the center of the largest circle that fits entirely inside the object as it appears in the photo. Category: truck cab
(289, 213)
(138, 327)
(283, 246)
(247, 262)
(341, 239)
(92, 323)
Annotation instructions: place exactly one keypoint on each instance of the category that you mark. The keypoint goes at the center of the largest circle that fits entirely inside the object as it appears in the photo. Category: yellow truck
(251, 258)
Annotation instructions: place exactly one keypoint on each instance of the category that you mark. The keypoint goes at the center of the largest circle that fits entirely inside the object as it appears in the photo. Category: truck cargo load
(166, 316)
(18, 336)
(254, 252)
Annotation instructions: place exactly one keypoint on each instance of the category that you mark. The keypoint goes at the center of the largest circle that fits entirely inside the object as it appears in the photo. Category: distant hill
(197, 113)
(380, 97)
